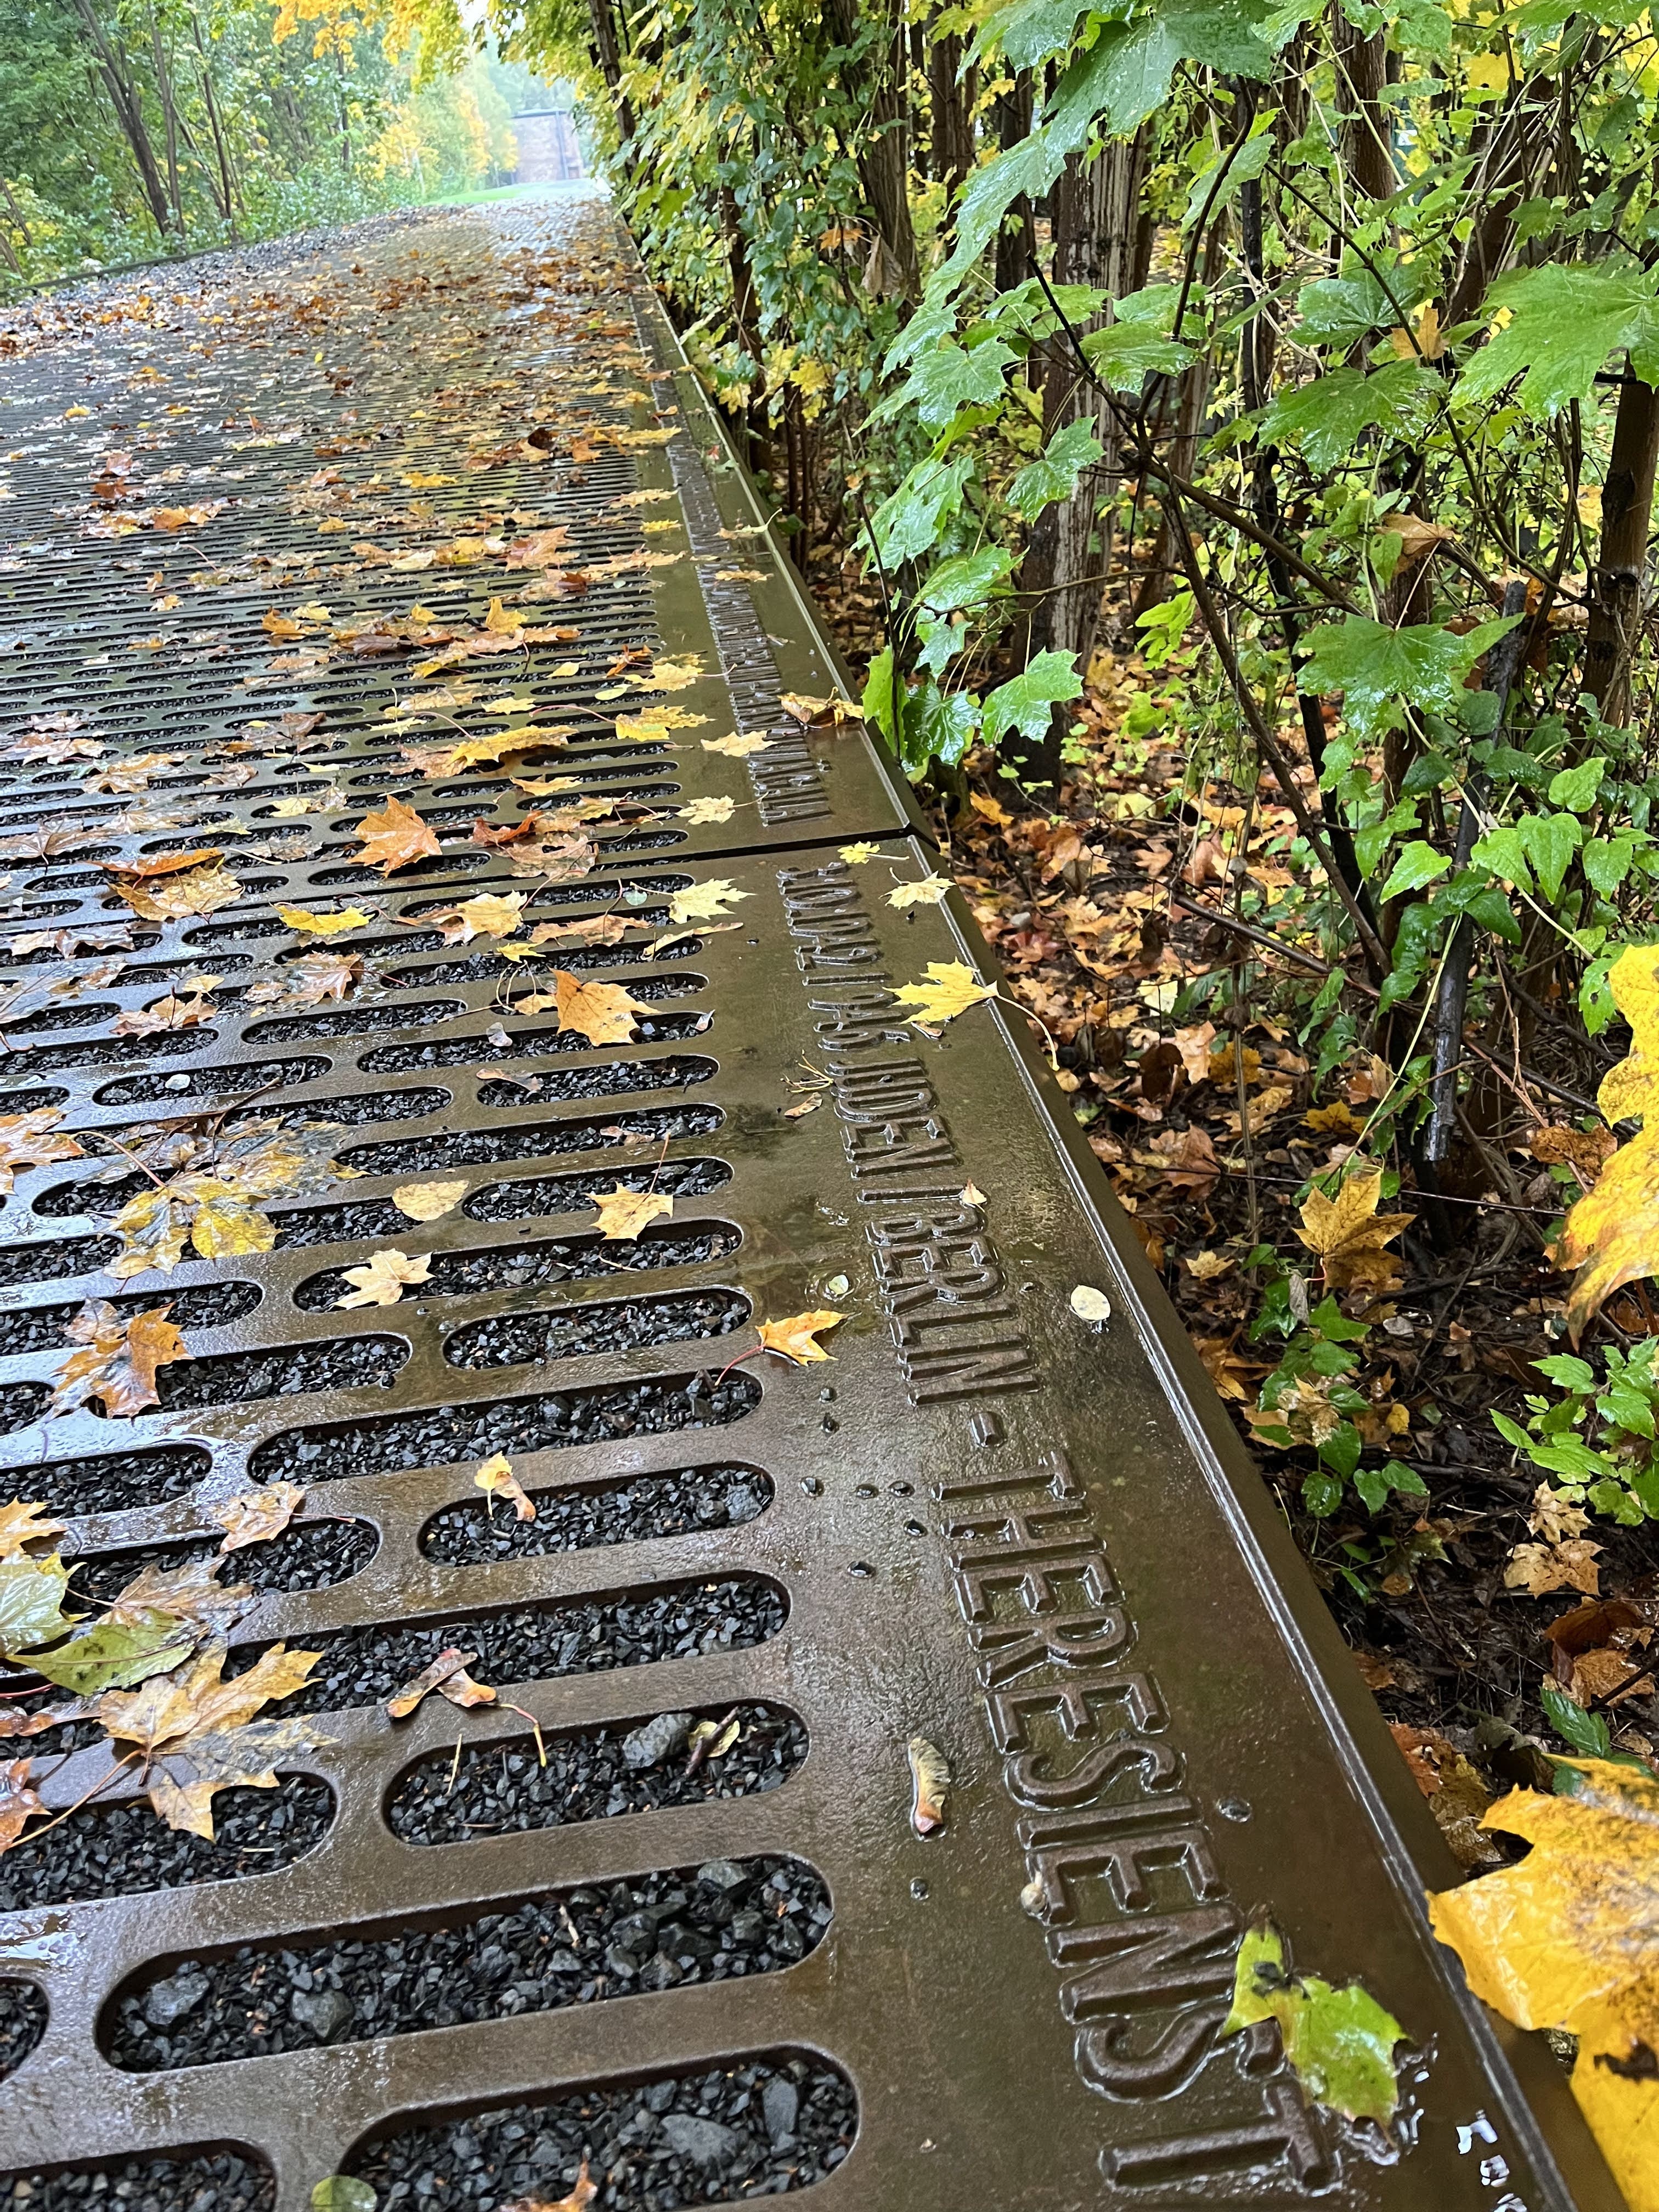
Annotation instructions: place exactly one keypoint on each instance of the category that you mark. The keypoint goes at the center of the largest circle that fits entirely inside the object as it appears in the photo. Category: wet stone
(656, 1741)
(490, 2160)
(661, 1929)
(592, 1331)
(612, 1079)
(622, 1512)
(554, 1260)
(51, 1262)
(350, 1363)
(210, 2181)
(109, 1482)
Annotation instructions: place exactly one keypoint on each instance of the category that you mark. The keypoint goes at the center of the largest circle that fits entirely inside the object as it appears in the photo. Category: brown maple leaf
(18, 1802)
(118, 1360)
(396, 837)
(257, 1514)
(32, 1140)
(797, 1337)
(603, 1013)
(1348, 1234)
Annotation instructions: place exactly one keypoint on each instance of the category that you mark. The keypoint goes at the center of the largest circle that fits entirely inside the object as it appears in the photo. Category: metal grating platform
(1033, 1542)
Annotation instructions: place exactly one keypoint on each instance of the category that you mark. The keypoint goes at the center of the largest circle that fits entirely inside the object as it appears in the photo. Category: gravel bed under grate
(205, 2181)
(722, 1921)
(524, 1044)
(109, 1482)
(465, 1148)
(743, 2131)
(120, 1851)
(65, 1255)
(205, 1305)
(22, 2022)
(314, 1556)
(237, 1378)
(441, 1436)
(625, 1512)
(211, 1082)
(552, 1260)
(501, 1788)
(590, 1332)
(571, 1193)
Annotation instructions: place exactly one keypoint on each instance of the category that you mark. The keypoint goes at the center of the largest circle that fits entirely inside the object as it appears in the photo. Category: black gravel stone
(620, 1512)
(311, 1556)
(109, 1482)
(206, 2181)
(21, 1405)
(83, 1014)
(437, 864)
(453, 1148)
(342, 1363)
(211, 1082)
(441, 1436)
(678, 1072)
(501, 1787)
(525, 1044)
(65, 1255)
(585, 1331)
(22, 2022)
(206, 1305)
(659, 1930)
(641, 2143)
(111, 1052)
(120, 1851)
(569, 1194)
(533, 1643)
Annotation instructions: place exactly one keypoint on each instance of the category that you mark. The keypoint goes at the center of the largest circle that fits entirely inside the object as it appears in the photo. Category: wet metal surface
(1029, 1540)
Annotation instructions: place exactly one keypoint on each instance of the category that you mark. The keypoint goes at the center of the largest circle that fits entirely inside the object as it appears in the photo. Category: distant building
(547, 151)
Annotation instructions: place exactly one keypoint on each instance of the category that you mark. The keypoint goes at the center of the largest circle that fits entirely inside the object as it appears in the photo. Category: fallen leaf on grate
(191, 1593)
(796, 1337)
(930, 890)
(602, 1012)
(707, 810)
(18, 1802)
(230, 1759)
(200, 890)
(312, 980)
(496, 1479)
(32, 1140)
(950, 989)
(703, 901)
(342, 2192)
(624, 1212)
(737, 747)
(20, 1527)
(396, 838)
(450, 1661)
(169, 1708)
(428, 1201)
(257, 1516)
(930, 1781)
(161, 864)
(381, 1280)
(579, 2197)
(323, 925)
(116, 1360)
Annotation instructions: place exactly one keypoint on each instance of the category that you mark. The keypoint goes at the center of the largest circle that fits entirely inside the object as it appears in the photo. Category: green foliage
(1596, 1441)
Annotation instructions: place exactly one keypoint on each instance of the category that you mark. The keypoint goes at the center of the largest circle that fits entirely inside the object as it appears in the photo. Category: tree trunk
(607, 53)
(230, 189)
(1063, 576)
(951, 106)
(1367, 148)
(1616, 578)
(883, 151)
(1017, 240)
(115, 69)
(169, 120)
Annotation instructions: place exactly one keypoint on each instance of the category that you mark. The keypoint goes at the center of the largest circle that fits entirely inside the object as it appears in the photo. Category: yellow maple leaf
(428, 1201)
(737, 747)
(20, 1525)
(624, 1212)
(1348, 1234)
(380, 1281)
(707, 810)
(116, 1361)
(1570, 1939)
(257, 1514)
(797, 1337)
(201, 891)
(602, 1012)
(950, 990)
(491, 914)
(396, 837)
(927, 890)
(858, 853)
(653, 722)
(323, 925)
(171, 1708)
(670, 675)
(704, 902)
(1611, 1233)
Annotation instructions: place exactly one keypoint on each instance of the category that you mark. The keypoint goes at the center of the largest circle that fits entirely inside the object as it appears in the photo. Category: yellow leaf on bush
(1570, 1939)
(1611, 1233)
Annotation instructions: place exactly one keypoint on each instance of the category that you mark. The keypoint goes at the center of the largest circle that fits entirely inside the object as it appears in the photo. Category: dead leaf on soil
(1348, 1234)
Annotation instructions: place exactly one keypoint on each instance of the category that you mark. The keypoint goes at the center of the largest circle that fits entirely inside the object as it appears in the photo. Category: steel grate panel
(985, 1524)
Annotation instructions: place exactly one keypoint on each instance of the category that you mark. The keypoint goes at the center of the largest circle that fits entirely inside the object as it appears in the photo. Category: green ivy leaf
(1338, 2043)
(1324, 419)
(1381, 669)
(1054, 474)
(1502, 851)
(1587, 1733)
(1607, 862)
(1564, 323)
(1577, 788)
(1418, 865)
(1025, 701)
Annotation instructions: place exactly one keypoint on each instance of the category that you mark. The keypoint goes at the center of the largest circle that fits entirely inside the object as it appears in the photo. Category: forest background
(133, 129)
